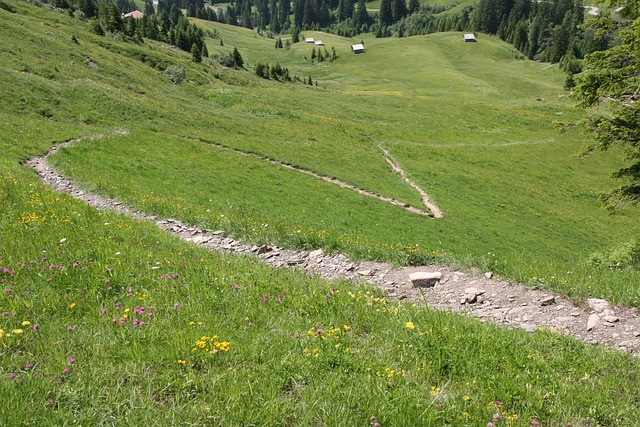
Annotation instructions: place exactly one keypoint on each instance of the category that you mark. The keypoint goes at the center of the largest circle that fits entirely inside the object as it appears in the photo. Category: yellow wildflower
(26, 323)
(410, 325)
(73, 304)
(17, 331)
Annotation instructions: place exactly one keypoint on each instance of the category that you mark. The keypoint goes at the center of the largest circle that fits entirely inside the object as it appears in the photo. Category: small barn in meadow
(357, 48)
(136, 14)
(319, 43)
(469, 38)
(309, 40)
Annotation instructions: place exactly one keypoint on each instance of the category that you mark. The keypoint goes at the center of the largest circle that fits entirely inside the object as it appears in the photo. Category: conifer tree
(196, 56)
(611, 77)
(236, 58)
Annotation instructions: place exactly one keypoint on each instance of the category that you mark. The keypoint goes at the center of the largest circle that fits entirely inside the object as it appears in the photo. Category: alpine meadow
(258, 121)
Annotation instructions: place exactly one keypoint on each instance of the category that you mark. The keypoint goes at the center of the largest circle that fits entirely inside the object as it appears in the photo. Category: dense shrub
(626, 255)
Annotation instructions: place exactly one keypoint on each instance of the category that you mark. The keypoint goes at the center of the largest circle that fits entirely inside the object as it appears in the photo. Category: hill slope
(108, 321)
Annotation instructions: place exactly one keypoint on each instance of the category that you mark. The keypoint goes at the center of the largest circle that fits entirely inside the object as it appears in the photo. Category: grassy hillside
(108, 321)
(471, 123)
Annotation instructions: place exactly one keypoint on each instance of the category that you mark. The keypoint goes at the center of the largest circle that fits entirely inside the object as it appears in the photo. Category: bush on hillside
(626, 255)
(175, 73)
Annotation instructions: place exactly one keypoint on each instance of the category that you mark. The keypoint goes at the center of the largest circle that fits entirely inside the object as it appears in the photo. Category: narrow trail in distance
(395, 167)
(433, 211)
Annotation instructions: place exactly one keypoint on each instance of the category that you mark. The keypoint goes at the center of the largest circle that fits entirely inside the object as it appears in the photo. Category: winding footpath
(433, 211)
(475, 294)
(395, 167)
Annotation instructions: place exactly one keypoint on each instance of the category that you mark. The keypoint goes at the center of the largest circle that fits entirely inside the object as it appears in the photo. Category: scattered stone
(474, 291)
(599, 305)
(425, 279)
(592, 322)
(629, 344)
(316, 254)
(611, 319)
(200, 240)
(548, 301)
(488, 275)
(517, 310)
(529, 327)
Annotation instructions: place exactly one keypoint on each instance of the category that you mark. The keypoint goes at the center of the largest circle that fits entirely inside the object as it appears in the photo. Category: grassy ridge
(289, 350)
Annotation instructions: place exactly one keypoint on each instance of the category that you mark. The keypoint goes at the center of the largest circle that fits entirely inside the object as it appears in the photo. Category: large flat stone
(424, 278)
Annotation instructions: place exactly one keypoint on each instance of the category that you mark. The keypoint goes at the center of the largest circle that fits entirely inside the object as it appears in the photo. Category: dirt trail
(433, 212)
(437, 213)
(474, 293)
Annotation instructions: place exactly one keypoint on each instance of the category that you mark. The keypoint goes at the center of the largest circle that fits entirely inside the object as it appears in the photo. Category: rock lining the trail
(476, 294)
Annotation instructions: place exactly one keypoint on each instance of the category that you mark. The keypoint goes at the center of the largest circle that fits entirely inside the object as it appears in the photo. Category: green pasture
(471, 123)
(105, 320)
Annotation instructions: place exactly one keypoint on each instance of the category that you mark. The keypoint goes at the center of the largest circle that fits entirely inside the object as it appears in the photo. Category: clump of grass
(626, 255)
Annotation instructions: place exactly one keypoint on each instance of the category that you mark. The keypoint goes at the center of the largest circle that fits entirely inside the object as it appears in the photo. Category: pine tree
(196, 56)
(386, 16)
(236, 58)
(611, 77)
(148, 8)
(362, 16)
(398, 10)
(414, 6)
(295, 35)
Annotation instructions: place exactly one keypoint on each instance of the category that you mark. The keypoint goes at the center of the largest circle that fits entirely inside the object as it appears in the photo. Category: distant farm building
(319, 43)
(357, 48)
(469, 38)
(136, 14)
(309, 40)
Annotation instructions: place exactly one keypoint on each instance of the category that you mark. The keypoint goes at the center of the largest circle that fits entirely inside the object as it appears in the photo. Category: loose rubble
(475, 293)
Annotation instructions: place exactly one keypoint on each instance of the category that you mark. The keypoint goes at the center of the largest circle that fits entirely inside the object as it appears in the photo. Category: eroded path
(395, 167)
(475, 293)
(433, 210)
